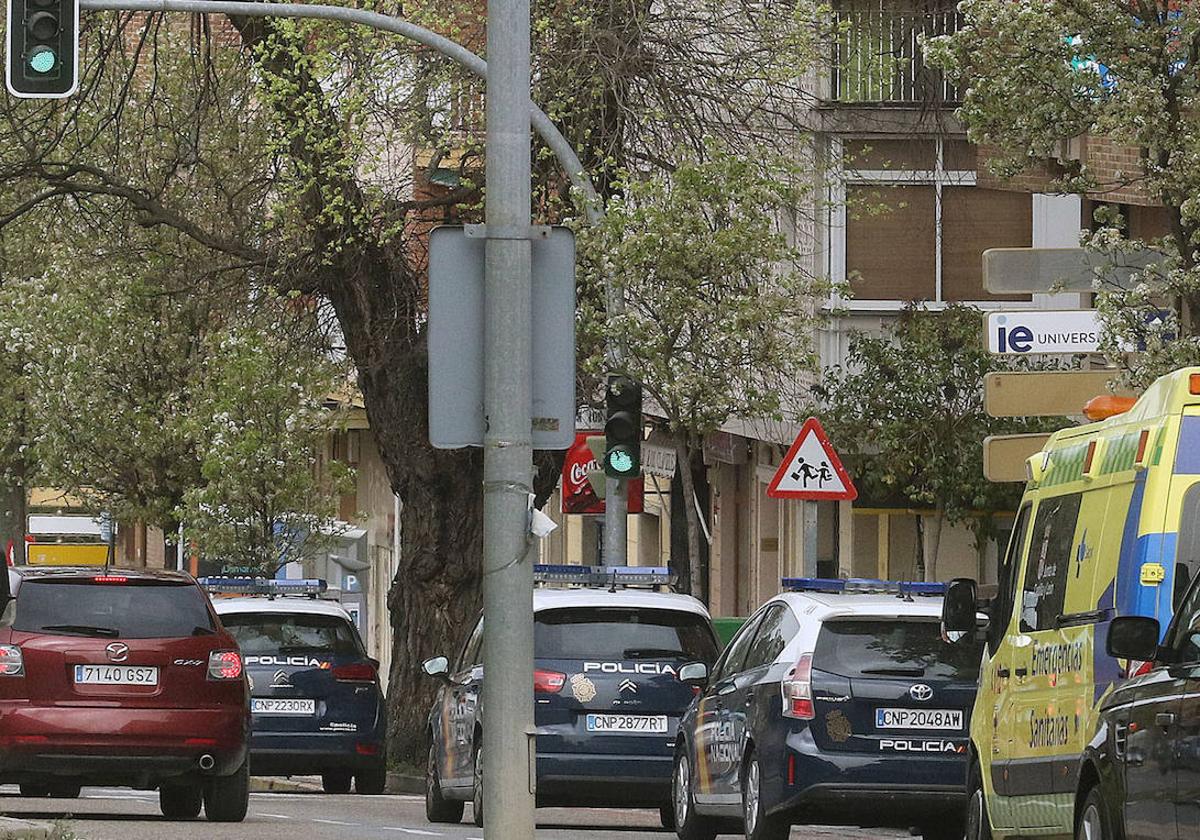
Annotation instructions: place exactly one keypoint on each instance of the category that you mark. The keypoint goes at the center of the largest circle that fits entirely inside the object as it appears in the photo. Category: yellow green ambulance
(1109, 525)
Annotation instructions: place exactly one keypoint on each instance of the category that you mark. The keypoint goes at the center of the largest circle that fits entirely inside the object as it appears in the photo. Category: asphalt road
(118, 814)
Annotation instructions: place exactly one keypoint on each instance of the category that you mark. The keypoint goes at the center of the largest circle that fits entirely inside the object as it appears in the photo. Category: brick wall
(1116, 168)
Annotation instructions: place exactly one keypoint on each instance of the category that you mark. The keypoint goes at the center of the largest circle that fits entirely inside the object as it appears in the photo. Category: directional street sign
(1048, 393)
(1042, 331)
(1004, 456)
(1008, 271)
(811, 470)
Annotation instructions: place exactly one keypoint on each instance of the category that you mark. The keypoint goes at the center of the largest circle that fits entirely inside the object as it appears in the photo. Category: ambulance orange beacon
(1109, 526)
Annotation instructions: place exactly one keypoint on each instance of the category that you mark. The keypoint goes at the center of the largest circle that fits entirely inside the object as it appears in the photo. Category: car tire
(372, 781)
(34, 790)
(439, 809)
(689, 825)
(336, 781)
(666, 815)
(227, 798)
(1092, 822)
(942, 832)
(65, 790)
(180, 802)
(477, 788)
(758, 824)
(978, 824)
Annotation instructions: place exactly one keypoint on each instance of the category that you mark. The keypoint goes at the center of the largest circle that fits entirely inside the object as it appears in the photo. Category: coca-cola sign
(577, 493)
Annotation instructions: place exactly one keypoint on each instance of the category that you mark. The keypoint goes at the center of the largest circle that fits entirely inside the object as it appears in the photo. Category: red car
(122, 678)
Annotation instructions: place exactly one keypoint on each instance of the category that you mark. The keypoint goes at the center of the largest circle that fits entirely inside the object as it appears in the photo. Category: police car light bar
(604, 575)
(862, 586)
(262, 586)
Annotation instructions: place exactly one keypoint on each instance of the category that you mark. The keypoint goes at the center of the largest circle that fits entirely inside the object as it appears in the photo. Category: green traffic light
(621, 462)
(42, 60)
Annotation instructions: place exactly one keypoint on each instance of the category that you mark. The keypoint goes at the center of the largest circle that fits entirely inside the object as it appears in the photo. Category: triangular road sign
(811, 470)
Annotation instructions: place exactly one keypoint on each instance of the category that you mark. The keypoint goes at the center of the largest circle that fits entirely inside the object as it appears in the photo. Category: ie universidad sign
(1043, 331)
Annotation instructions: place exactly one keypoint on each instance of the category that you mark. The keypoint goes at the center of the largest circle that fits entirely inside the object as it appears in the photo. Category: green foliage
(1034, 79)
(912, 403)
(719, 314)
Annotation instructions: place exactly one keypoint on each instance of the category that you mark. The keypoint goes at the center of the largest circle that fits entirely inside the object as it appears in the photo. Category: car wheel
(226, 798)
(34, 790)
(439, 809)
(943, 832)
(180, 802)
(65, 789)
(371, 781)
(759, 825)
(336, 781)
(666, 815)
(979, 827)
(477, 789)
(1093, 819)
(689, 825)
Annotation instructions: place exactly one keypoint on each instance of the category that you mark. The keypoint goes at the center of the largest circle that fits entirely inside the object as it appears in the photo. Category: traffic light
(623, 428)
(43, 48)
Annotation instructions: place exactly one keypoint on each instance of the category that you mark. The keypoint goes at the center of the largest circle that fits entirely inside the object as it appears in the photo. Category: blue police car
(315, 699)
(607, 694)
(838, 703)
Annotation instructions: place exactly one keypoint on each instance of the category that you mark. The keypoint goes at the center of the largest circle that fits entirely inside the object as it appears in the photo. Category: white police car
(607, 693)
(837, 702)
(315, 699)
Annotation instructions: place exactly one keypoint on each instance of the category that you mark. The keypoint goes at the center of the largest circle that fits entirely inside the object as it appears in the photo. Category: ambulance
(1109, 525)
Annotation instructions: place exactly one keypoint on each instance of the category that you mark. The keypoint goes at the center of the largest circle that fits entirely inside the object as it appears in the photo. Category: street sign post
(1008, 271)
(1004, 456)
(1036, 331)
(811, 472)
(1045, 393)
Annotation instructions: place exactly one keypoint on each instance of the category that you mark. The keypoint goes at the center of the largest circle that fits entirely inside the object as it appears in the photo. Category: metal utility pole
(508, 439)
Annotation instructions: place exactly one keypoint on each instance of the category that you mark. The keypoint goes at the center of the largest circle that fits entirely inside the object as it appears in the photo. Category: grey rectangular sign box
(1008, 271)
(456, 257)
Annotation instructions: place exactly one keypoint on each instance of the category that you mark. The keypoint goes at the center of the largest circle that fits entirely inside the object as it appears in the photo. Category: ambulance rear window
(886, 648)
(620, 633)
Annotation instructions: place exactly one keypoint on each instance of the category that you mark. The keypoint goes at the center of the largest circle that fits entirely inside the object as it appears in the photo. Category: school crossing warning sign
(811, 470)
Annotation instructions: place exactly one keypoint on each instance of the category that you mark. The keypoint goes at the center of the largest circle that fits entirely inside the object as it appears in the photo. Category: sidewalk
(12, 828)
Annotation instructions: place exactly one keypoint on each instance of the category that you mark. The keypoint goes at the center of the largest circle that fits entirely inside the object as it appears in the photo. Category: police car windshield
(622, 633)
(890, 648)
(142, 609)
(259, 633)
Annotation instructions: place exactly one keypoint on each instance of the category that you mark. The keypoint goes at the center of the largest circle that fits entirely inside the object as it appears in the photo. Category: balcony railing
(877, 57)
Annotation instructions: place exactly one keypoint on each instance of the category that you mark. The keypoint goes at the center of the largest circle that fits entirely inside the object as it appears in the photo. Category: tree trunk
(931, 543)
(683, 463)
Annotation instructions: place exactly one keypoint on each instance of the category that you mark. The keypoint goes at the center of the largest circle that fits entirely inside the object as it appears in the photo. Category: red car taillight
(12, 663)
(548, 682)
(797, 690)
(362, 672)
(224, 665)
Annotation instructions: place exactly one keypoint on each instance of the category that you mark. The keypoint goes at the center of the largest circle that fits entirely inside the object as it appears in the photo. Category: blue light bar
(262, 586)
(604, 575)
(863, 586)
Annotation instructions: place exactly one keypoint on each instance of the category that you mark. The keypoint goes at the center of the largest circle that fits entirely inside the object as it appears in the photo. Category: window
(735, 654)
(271, 633)
(469, 657)
(777, 629)
(894, 648)
(1187, 555)
(132, 610)
(1185, 634)
(623, 633)
(1009, 571)
(1048, 562)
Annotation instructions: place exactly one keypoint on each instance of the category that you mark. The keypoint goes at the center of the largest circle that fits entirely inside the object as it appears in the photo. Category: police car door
(716, 744)
(460, 712)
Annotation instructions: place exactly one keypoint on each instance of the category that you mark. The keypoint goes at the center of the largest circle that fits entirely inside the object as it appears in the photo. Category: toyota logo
(920, 692)
(117, 652)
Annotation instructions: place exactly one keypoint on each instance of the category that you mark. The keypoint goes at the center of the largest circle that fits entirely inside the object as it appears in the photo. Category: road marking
(273, 816)
(335, 822)
(412, 831)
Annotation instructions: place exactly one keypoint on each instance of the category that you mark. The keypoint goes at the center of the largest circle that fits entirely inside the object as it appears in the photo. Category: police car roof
(552, 599)
(822, 605)
(279, 604)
